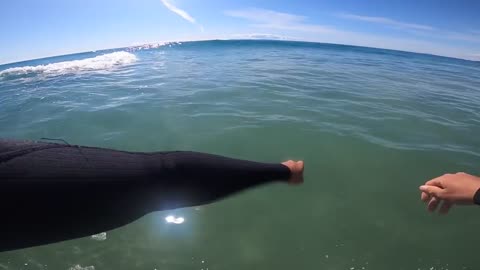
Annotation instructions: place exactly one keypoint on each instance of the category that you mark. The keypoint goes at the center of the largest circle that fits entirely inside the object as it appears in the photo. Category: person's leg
(193, 178)
(194, 167)
(26, 161)
(72, 191)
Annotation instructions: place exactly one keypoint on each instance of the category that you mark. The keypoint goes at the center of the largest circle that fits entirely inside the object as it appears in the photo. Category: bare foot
(296, 171)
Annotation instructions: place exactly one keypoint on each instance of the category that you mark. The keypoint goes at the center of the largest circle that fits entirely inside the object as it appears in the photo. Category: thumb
(432, 190)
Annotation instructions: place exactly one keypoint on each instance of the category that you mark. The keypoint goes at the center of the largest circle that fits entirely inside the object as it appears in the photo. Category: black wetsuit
(51, 192)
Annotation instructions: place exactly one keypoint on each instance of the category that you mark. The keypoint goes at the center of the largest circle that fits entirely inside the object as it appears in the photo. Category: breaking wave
(101, 62)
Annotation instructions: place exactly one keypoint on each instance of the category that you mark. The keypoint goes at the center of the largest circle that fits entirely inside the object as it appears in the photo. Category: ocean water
(372, 125)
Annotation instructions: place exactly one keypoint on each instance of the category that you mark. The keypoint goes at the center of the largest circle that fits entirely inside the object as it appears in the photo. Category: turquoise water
(371, 125)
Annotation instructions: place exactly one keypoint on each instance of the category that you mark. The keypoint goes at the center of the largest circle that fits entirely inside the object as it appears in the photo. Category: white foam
(100, 237)
(79, 267)
(101, 62)
(147, 46)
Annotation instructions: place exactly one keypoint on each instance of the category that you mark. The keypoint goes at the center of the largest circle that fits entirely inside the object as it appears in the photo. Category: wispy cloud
(298, 27)
(180, 12)
(277, 20)
(260, 36)
(460, 36)
(425, 31)
(475, 56)
(386, 21)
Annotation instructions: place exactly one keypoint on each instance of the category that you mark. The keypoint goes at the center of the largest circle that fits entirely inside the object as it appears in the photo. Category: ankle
(296, 171)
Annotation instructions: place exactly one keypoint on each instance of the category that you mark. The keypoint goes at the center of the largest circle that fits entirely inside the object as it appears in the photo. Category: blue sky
(32, 29)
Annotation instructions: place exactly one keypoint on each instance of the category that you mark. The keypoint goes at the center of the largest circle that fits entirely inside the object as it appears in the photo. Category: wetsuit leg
(53, 192)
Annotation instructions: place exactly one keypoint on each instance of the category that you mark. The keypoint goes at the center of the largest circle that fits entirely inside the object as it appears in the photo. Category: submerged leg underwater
(76, 191)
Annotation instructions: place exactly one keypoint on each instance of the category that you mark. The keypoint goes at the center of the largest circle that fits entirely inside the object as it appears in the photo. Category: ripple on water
(371, 123)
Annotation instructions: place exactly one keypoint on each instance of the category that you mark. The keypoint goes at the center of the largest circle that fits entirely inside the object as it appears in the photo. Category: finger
(433, 204)
(425, 197)
(446, 205)
(435, 182)
(433, 191)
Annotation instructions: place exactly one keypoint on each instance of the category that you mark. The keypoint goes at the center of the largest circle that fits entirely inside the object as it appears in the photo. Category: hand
(450, 189)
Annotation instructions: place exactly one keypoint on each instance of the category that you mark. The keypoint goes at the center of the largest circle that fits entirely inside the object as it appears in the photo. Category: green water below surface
(371, 126)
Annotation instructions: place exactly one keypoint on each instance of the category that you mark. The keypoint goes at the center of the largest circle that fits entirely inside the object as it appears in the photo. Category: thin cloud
(475, 56)
(386, 21)
(425, 31)
(264, 15)
(259, 36)
(460, 36)
(297, 27)
(270, 19)
(180, 12)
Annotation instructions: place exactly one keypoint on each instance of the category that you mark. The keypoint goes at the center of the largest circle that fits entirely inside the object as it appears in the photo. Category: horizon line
(163, 43)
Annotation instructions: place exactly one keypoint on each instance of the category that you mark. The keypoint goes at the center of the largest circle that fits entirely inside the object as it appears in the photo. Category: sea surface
(371, 124)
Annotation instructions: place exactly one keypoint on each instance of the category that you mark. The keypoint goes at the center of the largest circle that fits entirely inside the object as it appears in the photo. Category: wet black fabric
(52, 192)
(476, 197)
